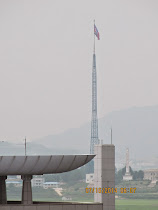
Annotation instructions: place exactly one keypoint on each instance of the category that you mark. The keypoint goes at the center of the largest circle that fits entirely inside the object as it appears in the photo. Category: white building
(37, 181)
(15, 183)
(151, 174)
(14, 180)
(67, 198)
(90, 178)
(51, 185)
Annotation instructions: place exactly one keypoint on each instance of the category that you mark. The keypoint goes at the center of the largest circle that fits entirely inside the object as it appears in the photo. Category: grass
(143, 199)
(132, 204)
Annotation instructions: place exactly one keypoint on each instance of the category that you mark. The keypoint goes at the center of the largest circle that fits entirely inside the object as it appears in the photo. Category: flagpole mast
(94, 40)
(94, 119)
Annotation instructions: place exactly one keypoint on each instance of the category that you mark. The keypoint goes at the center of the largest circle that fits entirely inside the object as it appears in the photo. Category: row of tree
(137, 175)
(80, 174)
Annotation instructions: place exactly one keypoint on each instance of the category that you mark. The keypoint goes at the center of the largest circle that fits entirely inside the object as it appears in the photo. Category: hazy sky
(46, 51)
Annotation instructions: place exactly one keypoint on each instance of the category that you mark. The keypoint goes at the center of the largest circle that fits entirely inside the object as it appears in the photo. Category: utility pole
(25, 146)
(111, 135)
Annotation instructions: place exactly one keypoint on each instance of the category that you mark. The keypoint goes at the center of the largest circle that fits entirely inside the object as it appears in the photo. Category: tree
(138, 175)
(119, 175)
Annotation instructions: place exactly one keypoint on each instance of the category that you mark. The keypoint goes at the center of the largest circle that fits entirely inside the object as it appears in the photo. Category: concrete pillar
(3, 192)
(104, 175)
(26, 189)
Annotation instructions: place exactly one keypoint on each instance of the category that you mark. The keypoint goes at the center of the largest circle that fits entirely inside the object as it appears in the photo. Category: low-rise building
(67, 198)
(151, 174)
(51, 185)
(90, 178)
(15, 183)
(37, 181)
(14, 180)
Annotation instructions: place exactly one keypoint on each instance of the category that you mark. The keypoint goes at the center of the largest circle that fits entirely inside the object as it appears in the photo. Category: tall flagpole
(94, 40)
(94, 119)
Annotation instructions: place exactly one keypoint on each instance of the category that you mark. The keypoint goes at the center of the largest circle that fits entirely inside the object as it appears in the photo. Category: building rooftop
(51, 183)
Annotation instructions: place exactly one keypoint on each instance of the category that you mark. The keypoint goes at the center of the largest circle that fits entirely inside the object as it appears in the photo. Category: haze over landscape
(46, 62)
(57, 94)
(135, 128)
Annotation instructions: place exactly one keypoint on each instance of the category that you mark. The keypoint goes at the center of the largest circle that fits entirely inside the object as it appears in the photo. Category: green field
(135, 204)
(144, 199)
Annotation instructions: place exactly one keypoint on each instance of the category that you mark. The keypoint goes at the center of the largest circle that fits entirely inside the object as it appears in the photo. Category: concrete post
(3, 192)
(26, 189)
(104, 175)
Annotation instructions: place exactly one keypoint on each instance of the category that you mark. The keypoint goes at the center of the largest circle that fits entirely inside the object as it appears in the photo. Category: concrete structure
(90, 178)
(152, 175)
(27, 166)
(39, 165)
(3, 192)
(104, 175)
(52, 206)
(26, 189)
(127, 176)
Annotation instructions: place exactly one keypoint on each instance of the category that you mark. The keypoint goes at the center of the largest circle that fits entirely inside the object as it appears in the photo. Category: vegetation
(73, 184)
(137, 175)
(136, 204)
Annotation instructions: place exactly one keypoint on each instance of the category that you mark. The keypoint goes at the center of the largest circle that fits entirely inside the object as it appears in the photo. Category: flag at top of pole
(96, 32)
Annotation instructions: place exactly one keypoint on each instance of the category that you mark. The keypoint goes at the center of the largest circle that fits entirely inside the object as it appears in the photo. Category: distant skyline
(46, 62)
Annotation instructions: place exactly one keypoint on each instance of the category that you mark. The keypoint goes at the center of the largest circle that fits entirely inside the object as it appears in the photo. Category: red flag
(96, 32)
